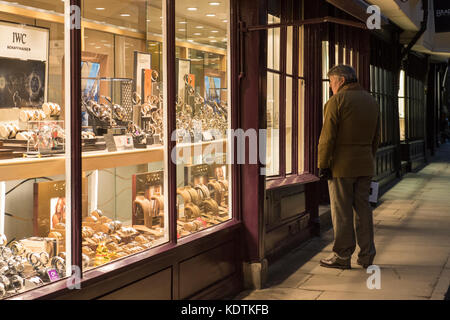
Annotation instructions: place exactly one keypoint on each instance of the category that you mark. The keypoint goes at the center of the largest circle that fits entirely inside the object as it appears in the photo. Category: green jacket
(351, 133)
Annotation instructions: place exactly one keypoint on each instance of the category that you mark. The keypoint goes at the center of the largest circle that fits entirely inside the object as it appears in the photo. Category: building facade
(120, 166)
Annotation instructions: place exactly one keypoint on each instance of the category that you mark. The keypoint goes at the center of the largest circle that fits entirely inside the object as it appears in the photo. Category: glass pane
(273, 125)
(301, 53)
(273, 45)
(301, 126)
(128, 15)
(289, 100)
(203, 116)
(123, 130)
(33, 220)
(289, 51)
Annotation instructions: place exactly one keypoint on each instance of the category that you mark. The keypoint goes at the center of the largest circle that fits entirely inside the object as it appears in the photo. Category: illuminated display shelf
(23, 168)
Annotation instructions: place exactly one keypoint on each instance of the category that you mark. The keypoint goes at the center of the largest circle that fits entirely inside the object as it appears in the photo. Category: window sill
(291, 181)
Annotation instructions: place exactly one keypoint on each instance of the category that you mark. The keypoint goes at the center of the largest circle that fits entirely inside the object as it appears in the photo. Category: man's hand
(325, 174)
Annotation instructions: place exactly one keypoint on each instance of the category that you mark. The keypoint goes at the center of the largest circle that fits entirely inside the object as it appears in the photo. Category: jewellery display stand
(110, 110)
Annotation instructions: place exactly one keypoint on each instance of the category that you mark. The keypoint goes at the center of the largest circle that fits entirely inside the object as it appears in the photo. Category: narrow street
(412, 238)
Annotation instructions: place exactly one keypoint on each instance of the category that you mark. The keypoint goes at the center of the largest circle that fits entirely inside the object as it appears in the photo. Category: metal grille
(126, 94)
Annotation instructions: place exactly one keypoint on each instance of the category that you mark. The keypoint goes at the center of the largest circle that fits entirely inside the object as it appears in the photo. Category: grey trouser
(348, 195)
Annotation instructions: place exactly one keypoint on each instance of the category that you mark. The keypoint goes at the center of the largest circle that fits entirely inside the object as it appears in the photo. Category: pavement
(412, 239)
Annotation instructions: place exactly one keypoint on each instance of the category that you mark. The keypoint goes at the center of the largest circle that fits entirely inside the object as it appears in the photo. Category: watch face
(6, 253)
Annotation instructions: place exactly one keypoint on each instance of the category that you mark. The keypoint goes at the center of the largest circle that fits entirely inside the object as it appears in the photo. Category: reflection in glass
(273, 125)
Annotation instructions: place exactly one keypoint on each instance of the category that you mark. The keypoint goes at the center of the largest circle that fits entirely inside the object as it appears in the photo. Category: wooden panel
(292, 205)
(284, 203)
(201, 271)
(286, 234)
(154, 287)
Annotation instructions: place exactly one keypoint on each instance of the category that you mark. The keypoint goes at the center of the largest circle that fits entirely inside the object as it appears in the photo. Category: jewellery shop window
(33, 221)
(202, 115)
(122, 130)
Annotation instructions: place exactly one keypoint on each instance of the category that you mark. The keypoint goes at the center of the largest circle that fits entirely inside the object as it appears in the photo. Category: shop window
(34, 225)
(125, 191)
(382, 89)
(123, 137)
(203, 175)
(401, 105)
(284, 101)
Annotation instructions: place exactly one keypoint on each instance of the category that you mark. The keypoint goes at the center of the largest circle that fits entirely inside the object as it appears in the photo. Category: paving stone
(282, 294)
(443, 283)
(372, 295)
(293, 281)
(416, 256)
(358, 283)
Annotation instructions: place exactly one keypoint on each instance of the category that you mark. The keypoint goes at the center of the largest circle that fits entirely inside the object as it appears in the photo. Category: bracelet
(211, 205)
(186, 195)
(204, 190)
(191, 211)
(224, 184)
(194, 195)
(217, 191)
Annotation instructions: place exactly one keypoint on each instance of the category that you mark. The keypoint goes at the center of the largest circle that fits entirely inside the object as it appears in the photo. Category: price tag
(110, 142)
(53, 275)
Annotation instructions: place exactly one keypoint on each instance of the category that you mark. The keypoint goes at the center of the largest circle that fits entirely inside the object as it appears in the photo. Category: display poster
(145, 188)
(57, 211)
(22, 83)
(146, 84)
(23, 65)
(212, 88)
(142, 61)
(184, 68)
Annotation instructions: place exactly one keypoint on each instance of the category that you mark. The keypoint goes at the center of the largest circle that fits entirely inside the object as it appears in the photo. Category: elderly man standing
(347, 147)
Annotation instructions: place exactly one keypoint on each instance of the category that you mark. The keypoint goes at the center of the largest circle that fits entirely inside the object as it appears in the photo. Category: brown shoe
(364, 265)
(335, 262)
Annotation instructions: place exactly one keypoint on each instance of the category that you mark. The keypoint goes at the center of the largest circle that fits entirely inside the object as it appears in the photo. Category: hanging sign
(23, 42)
(442, 15)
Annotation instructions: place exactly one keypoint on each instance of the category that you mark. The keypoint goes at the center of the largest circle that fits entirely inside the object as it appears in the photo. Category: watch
(6, 252)
(2, 290)
(34, 259)
(17, 248)
(44, 258)
(17, 282)
(136, 98)
(58, 264)
(155, 75)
